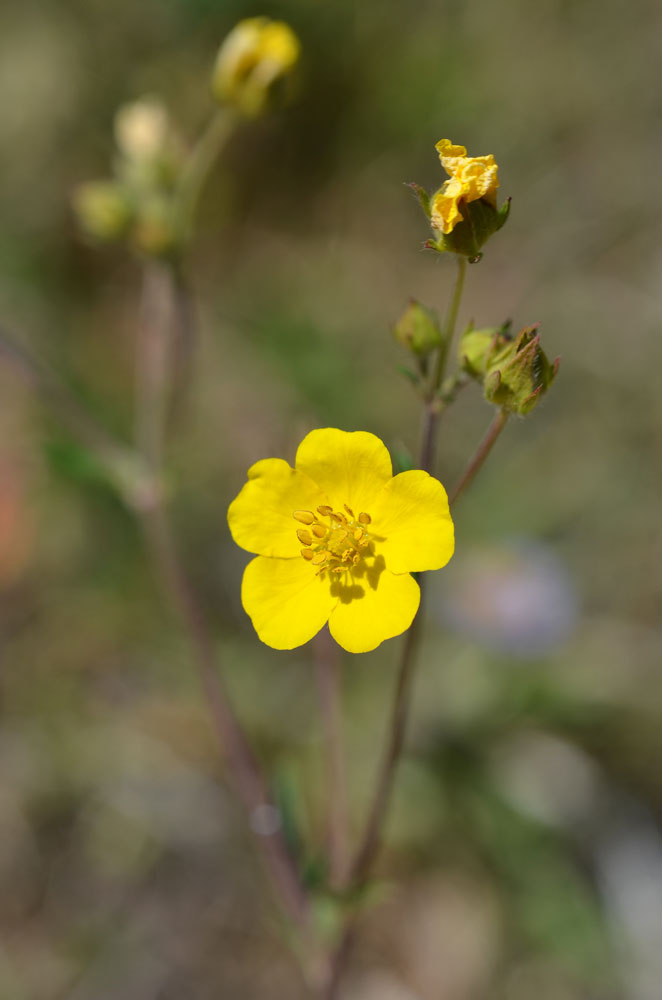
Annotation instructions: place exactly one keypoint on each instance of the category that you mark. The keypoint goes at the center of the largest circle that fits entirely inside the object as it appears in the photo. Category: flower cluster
(336, 540)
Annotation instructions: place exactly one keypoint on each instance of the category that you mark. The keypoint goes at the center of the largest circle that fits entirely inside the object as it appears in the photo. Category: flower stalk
(481, 454)
(328, 668)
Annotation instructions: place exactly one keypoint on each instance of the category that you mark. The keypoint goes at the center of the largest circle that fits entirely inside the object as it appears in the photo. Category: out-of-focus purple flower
(516, 598)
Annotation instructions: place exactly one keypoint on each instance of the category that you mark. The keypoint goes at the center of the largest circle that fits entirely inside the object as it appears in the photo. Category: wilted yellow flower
(255, 55)
(471, 178)
(336, 539)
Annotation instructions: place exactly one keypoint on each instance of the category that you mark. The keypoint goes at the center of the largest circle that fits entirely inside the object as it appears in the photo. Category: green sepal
(422, 195)
(480, 220)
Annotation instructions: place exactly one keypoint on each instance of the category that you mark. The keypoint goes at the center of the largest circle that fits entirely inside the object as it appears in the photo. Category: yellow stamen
(364, 518)
(304, 516)
(349, 511)
(358, 534)
(318, 530)
(319, 558)
(304, 536)
(307, 554)
(324, 510)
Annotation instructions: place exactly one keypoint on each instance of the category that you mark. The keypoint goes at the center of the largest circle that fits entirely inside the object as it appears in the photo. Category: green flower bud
(103, 210)
(475, 345)
(418, 329)
(518, 371)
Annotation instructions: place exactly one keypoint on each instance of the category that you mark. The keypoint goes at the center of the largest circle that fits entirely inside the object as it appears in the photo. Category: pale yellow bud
(141, 129)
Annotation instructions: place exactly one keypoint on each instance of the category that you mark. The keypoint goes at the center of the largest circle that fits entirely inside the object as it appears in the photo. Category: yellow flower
(471, 178)
(255, 55)
(336, 539)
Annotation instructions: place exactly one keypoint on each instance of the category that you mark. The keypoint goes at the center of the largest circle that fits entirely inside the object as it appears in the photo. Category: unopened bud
(418, 329)
(257, 56)
(141, 129)
(475, 346)
(519, 372)
(103, 210)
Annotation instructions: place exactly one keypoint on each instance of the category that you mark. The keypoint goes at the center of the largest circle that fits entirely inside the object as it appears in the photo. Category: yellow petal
(287, 603)
(412, 517)
(261, 517)
(445, 212)
(350, 467)
(479, 178)
(374, 607)
(450, 155)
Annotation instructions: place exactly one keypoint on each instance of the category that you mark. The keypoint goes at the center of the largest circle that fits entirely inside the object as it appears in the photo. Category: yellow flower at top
(336, 540)
(470, 178)
(256, 54)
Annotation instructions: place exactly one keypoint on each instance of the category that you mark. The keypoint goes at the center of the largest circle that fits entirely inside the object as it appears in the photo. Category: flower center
(333, 540)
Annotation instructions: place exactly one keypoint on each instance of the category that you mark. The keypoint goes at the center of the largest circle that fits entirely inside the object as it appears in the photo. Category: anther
(304, 516)
(338, 517)
(307, 554)
(358, 534)
(324, 510)
(364, 518)
(304, 536)
(338, 569)
(318, 530)
(349, 511)
(319, 558)
(356, 558)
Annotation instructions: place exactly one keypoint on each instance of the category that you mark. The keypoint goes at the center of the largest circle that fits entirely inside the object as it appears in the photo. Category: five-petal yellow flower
(336, 540)
(471, 178)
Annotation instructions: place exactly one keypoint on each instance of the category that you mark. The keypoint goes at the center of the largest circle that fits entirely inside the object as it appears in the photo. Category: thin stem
(450, 321)
(480, 455)
(199, 164)
(369, 843)
(243, 767)
(434, 406)
(153, 355)
(153, 386)
(329, 676)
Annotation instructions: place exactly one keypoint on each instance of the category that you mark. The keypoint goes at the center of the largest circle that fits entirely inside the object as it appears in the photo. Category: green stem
(199, 163)
(480, 455)
(369, 843)
(328, 667)
(450, 322)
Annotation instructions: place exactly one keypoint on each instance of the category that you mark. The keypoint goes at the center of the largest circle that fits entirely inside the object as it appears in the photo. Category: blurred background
(523, 853)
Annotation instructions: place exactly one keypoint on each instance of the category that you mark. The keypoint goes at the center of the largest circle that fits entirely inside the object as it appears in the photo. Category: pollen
(336, 541)
(304, 516)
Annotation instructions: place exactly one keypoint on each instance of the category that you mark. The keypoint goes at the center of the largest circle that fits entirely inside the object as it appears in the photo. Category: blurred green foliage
(526, 825)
